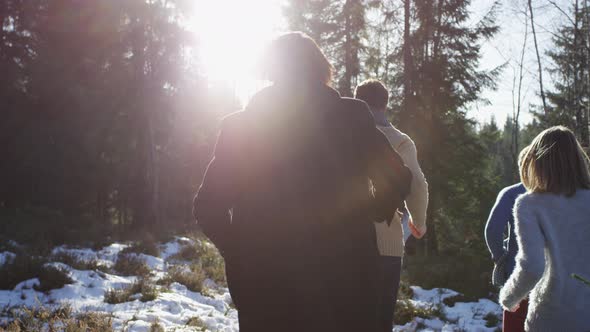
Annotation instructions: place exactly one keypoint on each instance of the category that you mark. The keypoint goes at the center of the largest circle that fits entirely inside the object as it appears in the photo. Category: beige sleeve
(417, 200)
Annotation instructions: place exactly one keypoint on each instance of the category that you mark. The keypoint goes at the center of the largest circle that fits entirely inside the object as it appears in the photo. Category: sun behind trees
(106, 124)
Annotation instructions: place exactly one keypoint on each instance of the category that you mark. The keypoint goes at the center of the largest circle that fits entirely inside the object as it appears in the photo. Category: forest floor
(172, 286)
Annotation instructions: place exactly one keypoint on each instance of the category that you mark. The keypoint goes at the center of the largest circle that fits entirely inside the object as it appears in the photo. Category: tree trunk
(154, 172)
(516, 113)
(346, 86)
(575, 98)
(353, 24)
(407, 59)
(587, 17)
(542, 91)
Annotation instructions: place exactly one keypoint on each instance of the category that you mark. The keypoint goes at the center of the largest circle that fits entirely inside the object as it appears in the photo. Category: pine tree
(570, 99)
(443, 81)
(104, 120)
(339, 28)
(432, 71)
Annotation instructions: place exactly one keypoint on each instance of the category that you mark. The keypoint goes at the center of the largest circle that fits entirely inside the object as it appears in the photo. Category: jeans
(390, 272)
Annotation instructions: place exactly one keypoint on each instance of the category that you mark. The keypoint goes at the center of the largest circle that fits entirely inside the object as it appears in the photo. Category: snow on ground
(175, 306)
(6, 257)
(106, 256)
(172, 308)
(460, 316)
(173, 247)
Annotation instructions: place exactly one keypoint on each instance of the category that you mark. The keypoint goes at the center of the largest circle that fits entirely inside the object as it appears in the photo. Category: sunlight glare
(231, 35)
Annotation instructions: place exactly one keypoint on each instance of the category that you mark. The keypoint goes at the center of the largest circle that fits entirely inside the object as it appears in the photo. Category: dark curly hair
(372, 92)
(294, 56)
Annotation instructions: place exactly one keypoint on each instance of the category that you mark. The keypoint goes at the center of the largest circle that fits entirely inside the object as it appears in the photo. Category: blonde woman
(552, 222)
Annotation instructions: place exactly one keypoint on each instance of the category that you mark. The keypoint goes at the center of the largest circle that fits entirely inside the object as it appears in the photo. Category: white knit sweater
(390, 238)
(553, 234)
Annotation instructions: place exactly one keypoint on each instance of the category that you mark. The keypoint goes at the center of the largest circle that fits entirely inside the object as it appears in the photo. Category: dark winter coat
(286, 199)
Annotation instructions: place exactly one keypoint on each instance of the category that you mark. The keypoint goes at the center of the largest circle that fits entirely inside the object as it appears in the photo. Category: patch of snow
(112, 251)
(27, 284)
(155, 263)
(22, 295)
(106, 256)
(11, 244)
(432, 296)
(431, 324)
(459, 317)
(409, 327)
(174, 307)
(6, 257)
(173, 247)
(470, 316)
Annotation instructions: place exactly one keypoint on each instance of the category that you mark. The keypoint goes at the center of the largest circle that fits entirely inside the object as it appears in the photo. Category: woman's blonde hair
(555, 162)
(522, 155)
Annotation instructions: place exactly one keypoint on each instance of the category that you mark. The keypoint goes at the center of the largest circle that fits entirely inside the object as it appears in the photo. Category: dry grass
(451, 300)
(156, 327)
(143, 286)
(130, 265)
(214, 265)
(188, 252)
(22, 267)
(205, 255)
(60, 319)
(75, 261)
(193, 278)
(492, 320)
(197, 323)
(147, 246)
(51, 277)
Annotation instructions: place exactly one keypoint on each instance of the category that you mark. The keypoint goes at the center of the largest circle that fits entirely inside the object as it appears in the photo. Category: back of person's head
(522, 155)
(555, 163)
(374, 93)
(295, 57)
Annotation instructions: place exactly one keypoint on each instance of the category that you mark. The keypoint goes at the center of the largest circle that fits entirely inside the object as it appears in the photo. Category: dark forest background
(107, 120)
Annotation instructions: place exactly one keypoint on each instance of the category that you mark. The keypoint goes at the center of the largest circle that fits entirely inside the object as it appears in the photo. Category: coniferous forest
(108, 118)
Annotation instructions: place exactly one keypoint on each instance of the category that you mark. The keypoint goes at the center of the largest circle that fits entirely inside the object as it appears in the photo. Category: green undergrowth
(406, 311)
(203, 256)
(468, 275)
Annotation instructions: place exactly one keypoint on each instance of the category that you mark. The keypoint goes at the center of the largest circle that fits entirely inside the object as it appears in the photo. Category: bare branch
(562, 11)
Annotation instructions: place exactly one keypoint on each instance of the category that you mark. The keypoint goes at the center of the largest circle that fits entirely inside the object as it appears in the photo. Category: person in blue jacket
(501, 218)
(504, 250)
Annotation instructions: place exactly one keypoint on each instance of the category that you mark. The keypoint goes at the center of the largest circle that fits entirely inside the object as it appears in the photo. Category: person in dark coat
(288, 202)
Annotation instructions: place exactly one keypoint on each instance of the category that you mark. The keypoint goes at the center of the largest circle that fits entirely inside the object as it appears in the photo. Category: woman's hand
(515, 308)
(415, 232)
